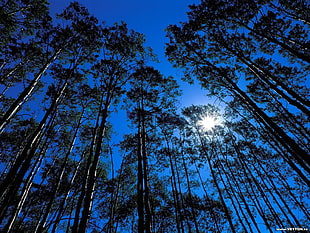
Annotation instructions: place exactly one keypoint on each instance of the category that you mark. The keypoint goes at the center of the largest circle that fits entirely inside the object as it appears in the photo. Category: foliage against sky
(65, 79)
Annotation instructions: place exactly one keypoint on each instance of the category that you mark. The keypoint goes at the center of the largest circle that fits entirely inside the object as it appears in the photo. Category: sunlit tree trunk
(42, 223)
(14, 178)
(27, 186)
(94, 155)
(140, 183)
(62, 205)
(26, 93)
(8, 74)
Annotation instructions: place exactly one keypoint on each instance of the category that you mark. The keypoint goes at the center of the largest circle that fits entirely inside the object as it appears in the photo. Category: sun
(208, 123)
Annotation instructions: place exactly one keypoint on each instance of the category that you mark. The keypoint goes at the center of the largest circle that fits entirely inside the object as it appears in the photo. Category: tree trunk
(277, 146)
(204, 149)
(280, 197)
(189, 190)
(27, 186)
(63, 202)
(147, 204)
(294, 52)
(241, 195)
(262, 74)
(174, 186)
(47, 210)
(14, 178)
(293, 148)
(95, 154)
(209, 201)
(26, 93)
(301, 156)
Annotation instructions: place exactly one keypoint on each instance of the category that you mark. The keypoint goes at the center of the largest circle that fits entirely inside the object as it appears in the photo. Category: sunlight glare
(208, 123)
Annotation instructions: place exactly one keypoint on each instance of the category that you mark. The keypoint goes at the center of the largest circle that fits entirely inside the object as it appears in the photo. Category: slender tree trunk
(231, 196)
(26, 93)
(7, 75)
(47, 210)
(256, 202)
(228, 216)
(190, 195)
(290, 14)
(265, 198)
(291, 195)
(247, 174)
(293, 148)
(32, 202)
(7, 87)
(301, 156)
(293, 51)
(241, 195)
(277, 146)
(14, 178)
(26, 155)
(263, 75)
(114, 200)
(209, 201)
(174, 185)
(295, 124)
(144, 208)
(178, 191)
(81, 197)
(140, 184)
(147, 204)
(75, 226)
(63, 202)
(184, 216)
(95, 154)
(279, 196)
(27, 186)
(228, 186)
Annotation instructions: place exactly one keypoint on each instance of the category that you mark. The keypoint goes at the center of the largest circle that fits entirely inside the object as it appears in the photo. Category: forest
(240, 165)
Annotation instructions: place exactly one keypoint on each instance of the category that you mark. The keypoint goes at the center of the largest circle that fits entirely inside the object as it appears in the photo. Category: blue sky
(149, 17)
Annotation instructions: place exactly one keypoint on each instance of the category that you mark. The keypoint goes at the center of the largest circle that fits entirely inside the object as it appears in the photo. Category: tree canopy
(68, 80)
